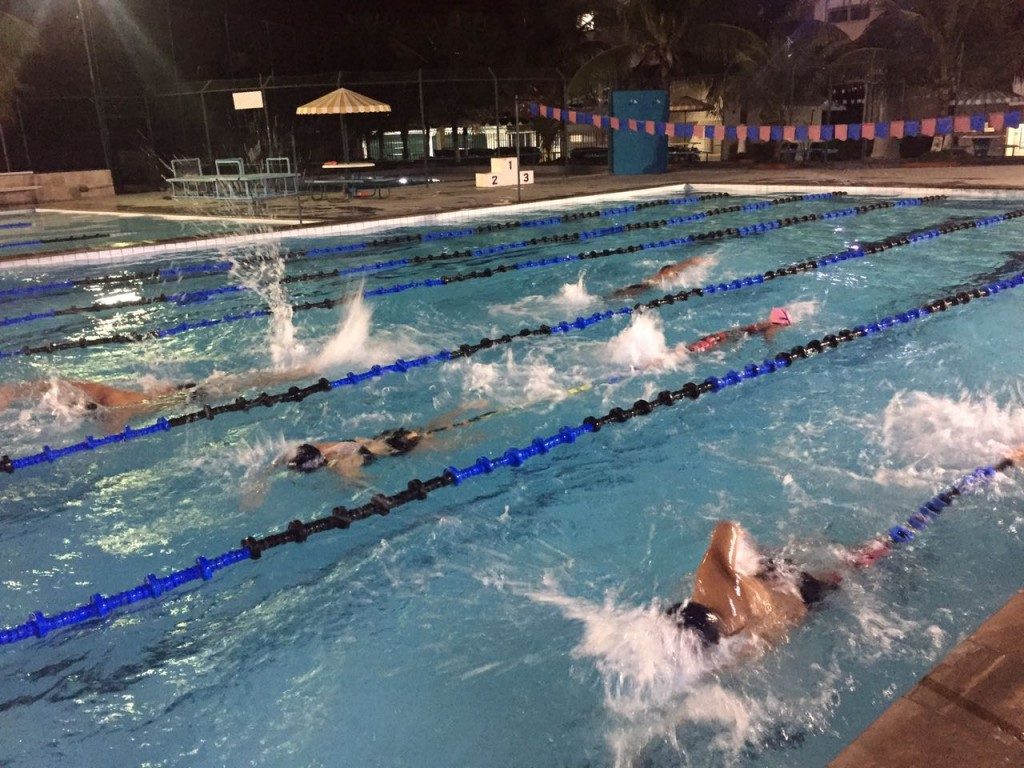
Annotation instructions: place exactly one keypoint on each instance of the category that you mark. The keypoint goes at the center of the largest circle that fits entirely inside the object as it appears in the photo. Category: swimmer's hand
(868, 554)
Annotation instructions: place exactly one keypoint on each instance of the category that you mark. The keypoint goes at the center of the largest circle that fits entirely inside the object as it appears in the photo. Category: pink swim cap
(779, 316)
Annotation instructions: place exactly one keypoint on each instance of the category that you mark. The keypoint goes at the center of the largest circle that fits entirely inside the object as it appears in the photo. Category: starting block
(504, 173)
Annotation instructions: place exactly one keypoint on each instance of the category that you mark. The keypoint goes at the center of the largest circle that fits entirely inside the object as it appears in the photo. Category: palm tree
(950, 45)
(790, 70)
(649, 43)
(17, 38)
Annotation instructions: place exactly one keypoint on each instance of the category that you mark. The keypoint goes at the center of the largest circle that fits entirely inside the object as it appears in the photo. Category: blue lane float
(218, 267)
(40, 624)
(323, 385)
(16, 225)
(191, 297)
(126, 337)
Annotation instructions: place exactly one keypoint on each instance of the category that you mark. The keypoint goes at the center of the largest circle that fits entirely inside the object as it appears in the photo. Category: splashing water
(799, 311)
(261, 271)
(575, 294)
(654, 676)
(570, 296)
(641, 345)
(943, 433)
(512, 382)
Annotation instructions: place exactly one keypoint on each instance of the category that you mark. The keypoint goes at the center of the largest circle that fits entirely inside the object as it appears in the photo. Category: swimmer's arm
(447, 420)
(717, 584)
(629, 291)
(349, 468)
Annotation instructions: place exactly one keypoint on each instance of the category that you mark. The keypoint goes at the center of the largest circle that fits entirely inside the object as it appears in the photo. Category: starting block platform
(505, 172)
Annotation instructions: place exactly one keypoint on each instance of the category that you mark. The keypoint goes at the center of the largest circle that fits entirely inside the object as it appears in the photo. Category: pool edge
(165, 249)
(971, 704)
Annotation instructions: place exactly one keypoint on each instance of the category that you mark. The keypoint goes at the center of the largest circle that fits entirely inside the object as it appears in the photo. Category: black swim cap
(307, 458)
(400, 440)
(698, 618)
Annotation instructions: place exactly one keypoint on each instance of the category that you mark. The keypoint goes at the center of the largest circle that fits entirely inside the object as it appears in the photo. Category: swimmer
(666, 274)
(778, 319)
(115, 406)
(347, 457)
(737, 590)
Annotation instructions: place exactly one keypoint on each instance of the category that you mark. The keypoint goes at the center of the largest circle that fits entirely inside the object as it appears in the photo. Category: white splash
(655, 677)
(571, 296)
(801, 311)
(509, 382)
(575, 294)
(641, 345)
(934, 432)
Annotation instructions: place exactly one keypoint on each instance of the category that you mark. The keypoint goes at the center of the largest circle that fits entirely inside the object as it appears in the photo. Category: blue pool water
(49, 231)
(513, 620)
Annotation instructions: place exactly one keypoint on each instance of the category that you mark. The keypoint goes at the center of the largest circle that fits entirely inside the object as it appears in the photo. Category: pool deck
(968, 711)
(553, 183)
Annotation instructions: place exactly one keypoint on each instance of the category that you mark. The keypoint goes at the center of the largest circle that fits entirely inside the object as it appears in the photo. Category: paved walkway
(967, 712)
(553, 183)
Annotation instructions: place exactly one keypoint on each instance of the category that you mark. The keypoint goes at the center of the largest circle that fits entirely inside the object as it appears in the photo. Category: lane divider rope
(50, 240)
(132, 337)
(340, 517)
(297, 394)
(195, 297)
(205, 268)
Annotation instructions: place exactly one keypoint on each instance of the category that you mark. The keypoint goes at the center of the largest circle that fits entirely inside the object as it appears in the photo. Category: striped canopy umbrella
(343, 102)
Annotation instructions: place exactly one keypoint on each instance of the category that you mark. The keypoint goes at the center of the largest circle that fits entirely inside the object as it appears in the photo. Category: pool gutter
(179, 247)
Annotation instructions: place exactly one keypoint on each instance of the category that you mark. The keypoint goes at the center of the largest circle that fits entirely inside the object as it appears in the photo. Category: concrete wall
(73, 185)
(27, 188)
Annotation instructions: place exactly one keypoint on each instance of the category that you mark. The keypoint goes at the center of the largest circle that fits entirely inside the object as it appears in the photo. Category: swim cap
(697, 618)
(400, 440)
(307, 458)
(779, 316)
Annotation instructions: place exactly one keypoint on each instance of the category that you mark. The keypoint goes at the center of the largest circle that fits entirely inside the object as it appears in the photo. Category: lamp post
(104, 140)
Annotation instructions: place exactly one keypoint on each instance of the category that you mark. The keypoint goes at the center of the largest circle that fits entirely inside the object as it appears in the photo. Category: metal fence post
(24, 136)
(206, 122)
(426, 133)
(3, 144)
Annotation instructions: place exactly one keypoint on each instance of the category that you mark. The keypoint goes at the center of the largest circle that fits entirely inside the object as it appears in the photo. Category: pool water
(51, 231)
(515, 619)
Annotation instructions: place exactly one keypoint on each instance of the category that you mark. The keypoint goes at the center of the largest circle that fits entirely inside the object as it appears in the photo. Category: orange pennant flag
(928, 126)
(896, 129)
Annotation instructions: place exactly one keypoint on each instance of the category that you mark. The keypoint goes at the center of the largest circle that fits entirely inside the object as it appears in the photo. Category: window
(860, 12)
(849, 11)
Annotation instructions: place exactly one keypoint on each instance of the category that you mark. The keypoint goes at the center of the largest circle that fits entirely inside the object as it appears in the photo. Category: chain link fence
(441, 123)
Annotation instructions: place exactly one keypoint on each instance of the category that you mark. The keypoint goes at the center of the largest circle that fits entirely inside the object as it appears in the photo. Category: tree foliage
(17, 38)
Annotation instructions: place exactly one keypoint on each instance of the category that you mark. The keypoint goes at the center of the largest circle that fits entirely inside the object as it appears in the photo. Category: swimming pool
(51, 231)
(513, 620)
